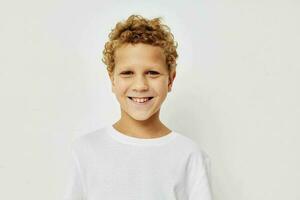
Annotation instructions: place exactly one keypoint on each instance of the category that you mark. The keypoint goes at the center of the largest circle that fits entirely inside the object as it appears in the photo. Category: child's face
(141, 71)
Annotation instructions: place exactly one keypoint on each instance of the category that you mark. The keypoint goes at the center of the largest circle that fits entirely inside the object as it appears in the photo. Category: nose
(140, 84)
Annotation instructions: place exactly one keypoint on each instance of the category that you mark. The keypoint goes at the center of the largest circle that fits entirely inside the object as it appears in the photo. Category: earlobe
(112, 88)
(111, 77)
(171, 80)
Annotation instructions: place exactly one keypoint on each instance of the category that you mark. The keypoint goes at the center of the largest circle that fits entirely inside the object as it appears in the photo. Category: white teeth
(140, 100)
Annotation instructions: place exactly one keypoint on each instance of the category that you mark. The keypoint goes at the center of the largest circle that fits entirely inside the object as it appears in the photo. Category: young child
(138, 157)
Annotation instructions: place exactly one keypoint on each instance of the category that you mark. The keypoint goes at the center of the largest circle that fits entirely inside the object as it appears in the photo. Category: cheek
(121, 86)
(161, 86)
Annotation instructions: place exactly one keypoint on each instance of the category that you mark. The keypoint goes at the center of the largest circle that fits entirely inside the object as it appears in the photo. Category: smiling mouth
(140, 99)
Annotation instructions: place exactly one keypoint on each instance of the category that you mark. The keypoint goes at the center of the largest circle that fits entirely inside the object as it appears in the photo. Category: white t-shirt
(109, 165)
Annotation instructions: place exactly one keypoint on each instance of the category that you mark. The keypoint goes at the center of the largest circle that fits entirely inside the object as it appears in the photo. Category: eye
(126, 72)
(153, 72)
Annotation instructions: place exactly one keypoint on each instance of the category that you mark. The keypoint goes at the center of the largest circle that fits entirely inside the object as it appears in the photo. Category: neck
(150, 128)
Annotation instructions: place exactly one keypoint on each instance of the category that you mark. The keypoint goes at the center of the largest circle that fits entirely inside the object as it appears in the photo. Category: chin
(140, 117)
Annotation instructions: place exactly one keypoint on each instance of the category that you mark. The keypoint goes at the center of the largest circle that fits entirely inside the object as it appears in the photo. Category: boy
(138, 157)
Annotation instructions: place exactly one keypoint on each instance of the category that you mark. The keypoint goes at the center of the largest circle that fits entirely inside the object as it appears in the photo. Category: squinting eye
(126, 72)
(153, 72)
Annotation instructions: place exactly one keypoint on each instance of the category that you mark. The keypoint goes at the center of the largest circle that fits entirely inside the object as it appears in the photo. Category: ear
(172, 76)
(111, 77)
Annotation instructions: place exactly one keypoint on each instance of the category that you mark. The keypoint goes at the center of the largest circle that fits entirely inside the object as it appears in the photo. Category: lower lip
(142, 103)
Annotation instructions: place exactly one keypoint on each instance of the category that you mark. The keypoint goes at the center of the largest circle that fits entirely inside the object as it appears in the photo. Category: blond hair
(137, 29)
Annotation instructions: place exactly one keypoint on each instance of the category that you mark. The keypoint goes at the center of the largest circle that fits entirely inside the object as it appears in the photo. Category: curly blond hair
(137, 29)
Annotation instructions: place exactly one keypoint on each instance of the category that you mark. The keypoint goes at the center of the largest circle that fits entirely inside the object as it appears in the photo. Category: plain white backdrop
(236, 92)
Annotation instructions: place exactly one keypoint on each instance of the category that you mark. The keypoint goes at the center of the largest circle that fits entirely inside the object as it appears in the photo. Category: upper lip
(140, 97)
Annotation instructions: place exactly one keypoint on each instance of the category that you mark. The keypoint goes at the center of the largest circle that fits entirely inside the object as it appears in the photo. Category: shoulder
(188, 143)
(88, 139)
(191, 147)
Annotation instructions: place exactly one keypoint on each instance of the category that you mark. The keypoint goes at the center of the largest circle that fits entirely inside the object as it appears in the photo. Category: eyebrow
(154, 67)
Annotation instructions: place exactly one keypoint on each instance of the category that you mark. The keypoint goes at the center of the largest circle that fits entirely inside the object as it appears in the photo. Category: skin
(141, 71)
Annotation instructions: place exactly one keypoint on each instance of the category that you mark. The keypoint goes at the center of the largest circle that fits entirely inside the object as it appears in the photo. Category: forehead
(139, 55)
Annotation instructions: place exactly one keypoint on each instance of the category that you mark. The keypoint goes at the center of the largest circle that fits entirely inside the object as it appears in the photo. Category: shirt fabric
(109, 165)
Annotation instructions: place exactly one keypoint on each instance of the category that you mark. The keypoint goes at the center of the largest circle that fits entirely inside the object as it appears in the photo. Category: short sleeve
(199, 187)
(74, 189)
